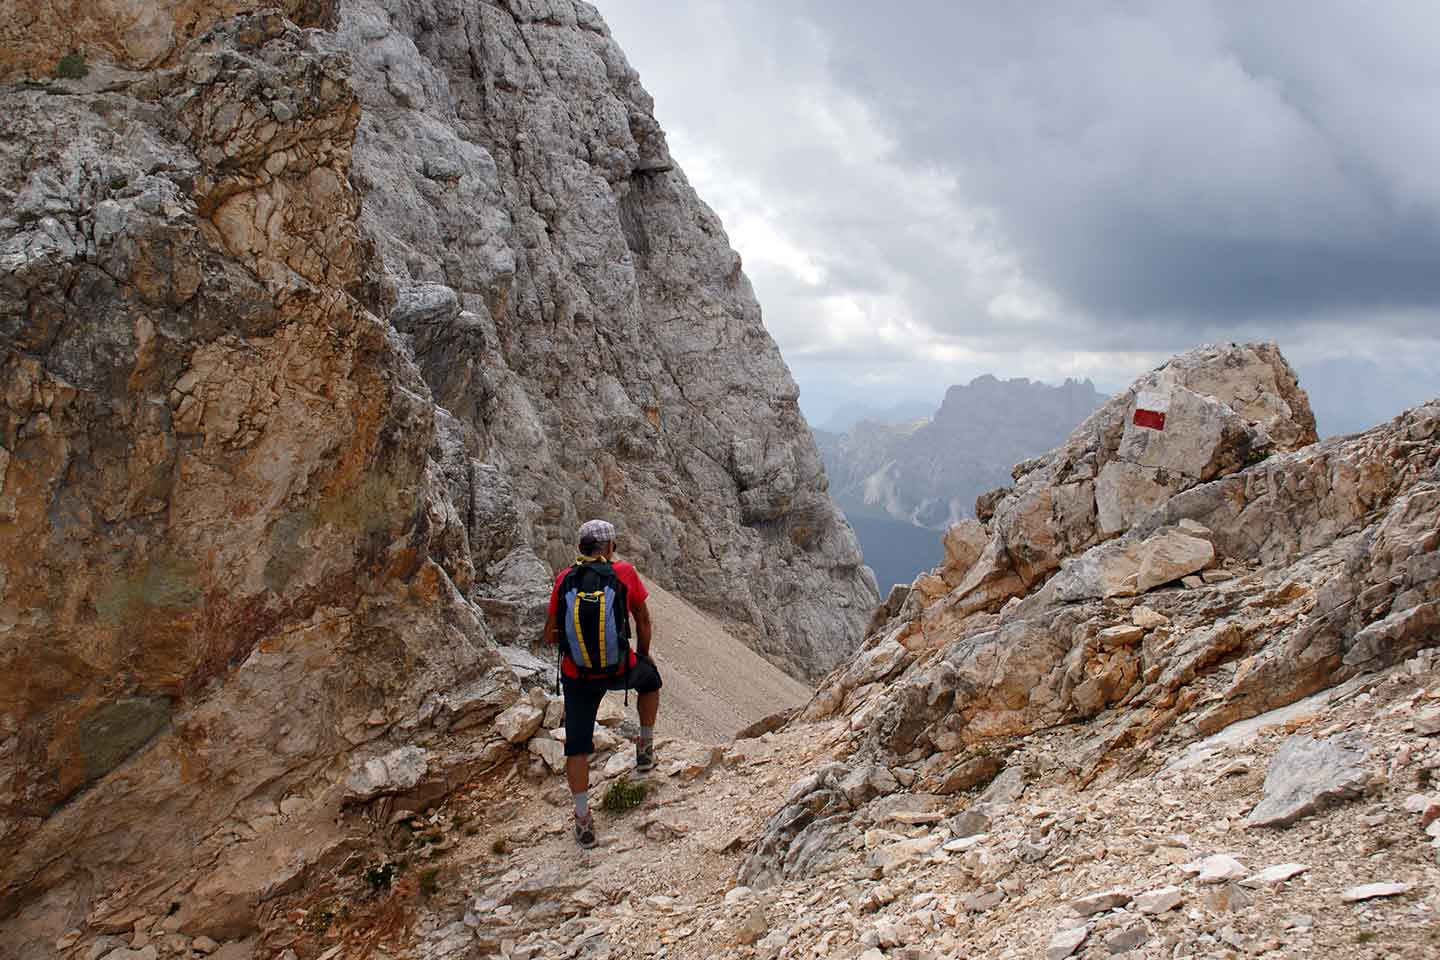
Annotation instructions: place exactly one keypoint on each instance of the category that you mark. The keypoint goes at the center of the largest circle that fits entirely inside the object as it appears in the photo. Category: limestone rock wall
(569, 298)
(319, 339)
(229, 567)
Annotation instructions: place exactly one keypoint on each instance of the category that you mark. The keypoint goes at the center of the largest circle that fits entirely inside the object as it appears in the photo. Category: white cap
(599, 530)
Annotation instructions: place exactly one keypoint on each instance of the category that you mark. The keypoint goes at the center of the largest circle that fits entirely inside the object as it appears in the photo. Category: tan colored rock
(1159, 900)
(1100, 902)
(964, 542)
(519, 723)
(1170, 556)
(551, 751)
(612, 711)
(1219, 868)
(1146, 618)
(1374, 891)
(1121, 636)
(1273, 875)
(1127, 492)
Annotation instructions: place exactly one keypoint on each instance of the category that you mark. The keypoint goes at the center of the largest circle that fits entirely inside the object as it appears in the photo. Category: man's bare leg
(648, 706)
(577, 773)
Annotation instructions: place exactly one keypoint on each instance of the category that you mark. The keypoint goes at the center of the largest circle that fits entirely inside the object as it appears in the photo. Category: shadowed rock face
(569, 298)
(317, 345)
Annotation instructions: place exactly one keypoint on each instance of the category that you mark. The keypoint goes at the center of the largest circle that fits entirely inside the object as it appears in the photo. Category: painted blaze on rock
(1150, 410)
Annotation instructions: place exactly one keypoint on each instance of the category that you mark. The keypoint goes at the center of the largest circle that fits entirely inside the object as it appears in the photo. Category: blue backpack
(594, 620)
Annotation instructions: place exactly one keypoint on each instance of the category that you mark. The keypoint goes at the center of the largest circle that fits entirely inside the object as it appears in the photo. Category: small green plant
(379, 876)
(174, 909)
(72, 66)
(459, 820)
(1365, 936)
(318, 918)
(430, 881)
(472, 831)
(500, 846)
(1423, 777)
(624, 795)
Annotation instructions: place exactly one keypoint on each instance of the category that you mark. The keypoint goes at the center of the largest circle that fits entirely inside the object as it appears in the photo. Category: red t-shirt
(635, 594)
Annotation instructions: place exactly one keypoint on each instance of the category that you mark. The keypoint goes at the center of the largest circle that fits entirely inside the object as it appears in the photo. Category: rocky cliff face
(1255, 567)
(322, 328)
(569, 298)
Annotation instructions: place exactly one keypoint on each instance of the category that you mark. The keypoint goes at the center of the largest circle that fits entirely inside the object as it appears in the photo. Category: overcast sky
(925, 191)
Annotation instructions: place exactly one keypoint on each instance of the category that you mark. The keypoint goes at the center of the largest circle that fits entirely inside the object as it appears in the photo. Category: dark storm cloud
(929, 190)
(1186, 162)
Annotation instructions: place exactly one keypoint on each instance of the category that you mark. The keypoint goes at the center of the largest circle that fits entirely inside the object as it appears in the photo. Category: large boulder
(1306, 775)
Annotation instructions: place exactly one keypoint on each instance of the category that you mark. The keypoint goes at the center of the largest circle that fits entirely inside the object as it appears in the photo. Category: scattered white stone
(1372, 891)
(1219, 869)
(1065, 942)
(397, 771)
(1305, 775)
(965, 843)
(612, 712)
(1142, 616)
(892, 855)
(1100, 902)
(1273, 875)
(551, 751)
(619, 763)
(1160, 900)
(737, 895)
(1419, 803)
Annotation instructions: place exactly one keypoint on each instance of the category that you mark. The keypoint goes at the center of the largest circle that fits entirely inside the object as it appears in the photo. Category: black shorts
(582, 702)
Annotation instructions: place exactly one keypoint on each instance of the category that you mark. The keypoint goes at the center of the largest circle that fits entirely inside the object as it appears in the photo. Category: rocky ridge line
(1238, 594)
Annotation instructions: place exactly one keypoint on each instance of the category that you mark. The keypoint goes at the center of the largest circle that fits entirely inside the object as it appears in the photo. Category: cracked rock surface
(321, 328)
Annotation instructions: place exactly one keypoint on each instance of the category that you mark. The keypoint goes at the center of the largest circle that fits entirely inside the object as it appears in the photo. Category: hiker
(595, 657)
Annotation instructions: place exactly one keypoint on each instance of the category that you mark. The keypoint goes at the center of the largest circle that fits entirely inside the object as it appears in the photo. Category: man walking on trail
(589, 618)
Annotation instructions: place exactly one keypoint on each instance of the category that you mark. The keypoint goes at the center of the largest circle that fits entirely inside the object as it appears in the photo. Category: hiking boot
(585, 832)
(644, 756)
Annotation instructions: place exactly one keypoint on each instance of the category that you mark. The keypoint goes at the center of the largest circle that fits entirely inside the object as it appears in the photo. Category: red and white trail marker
(1150, 410)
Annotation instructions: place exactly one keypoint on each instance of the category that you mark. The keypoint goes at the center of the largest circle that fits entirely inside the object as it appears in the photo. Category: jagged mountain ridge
(929, 472)
(892, 477)
(323, 327)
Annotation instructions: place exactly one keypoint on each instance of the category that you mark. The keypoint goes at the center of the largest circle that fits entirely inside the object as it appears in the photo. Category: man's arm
(549, 636)
(641, 613)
